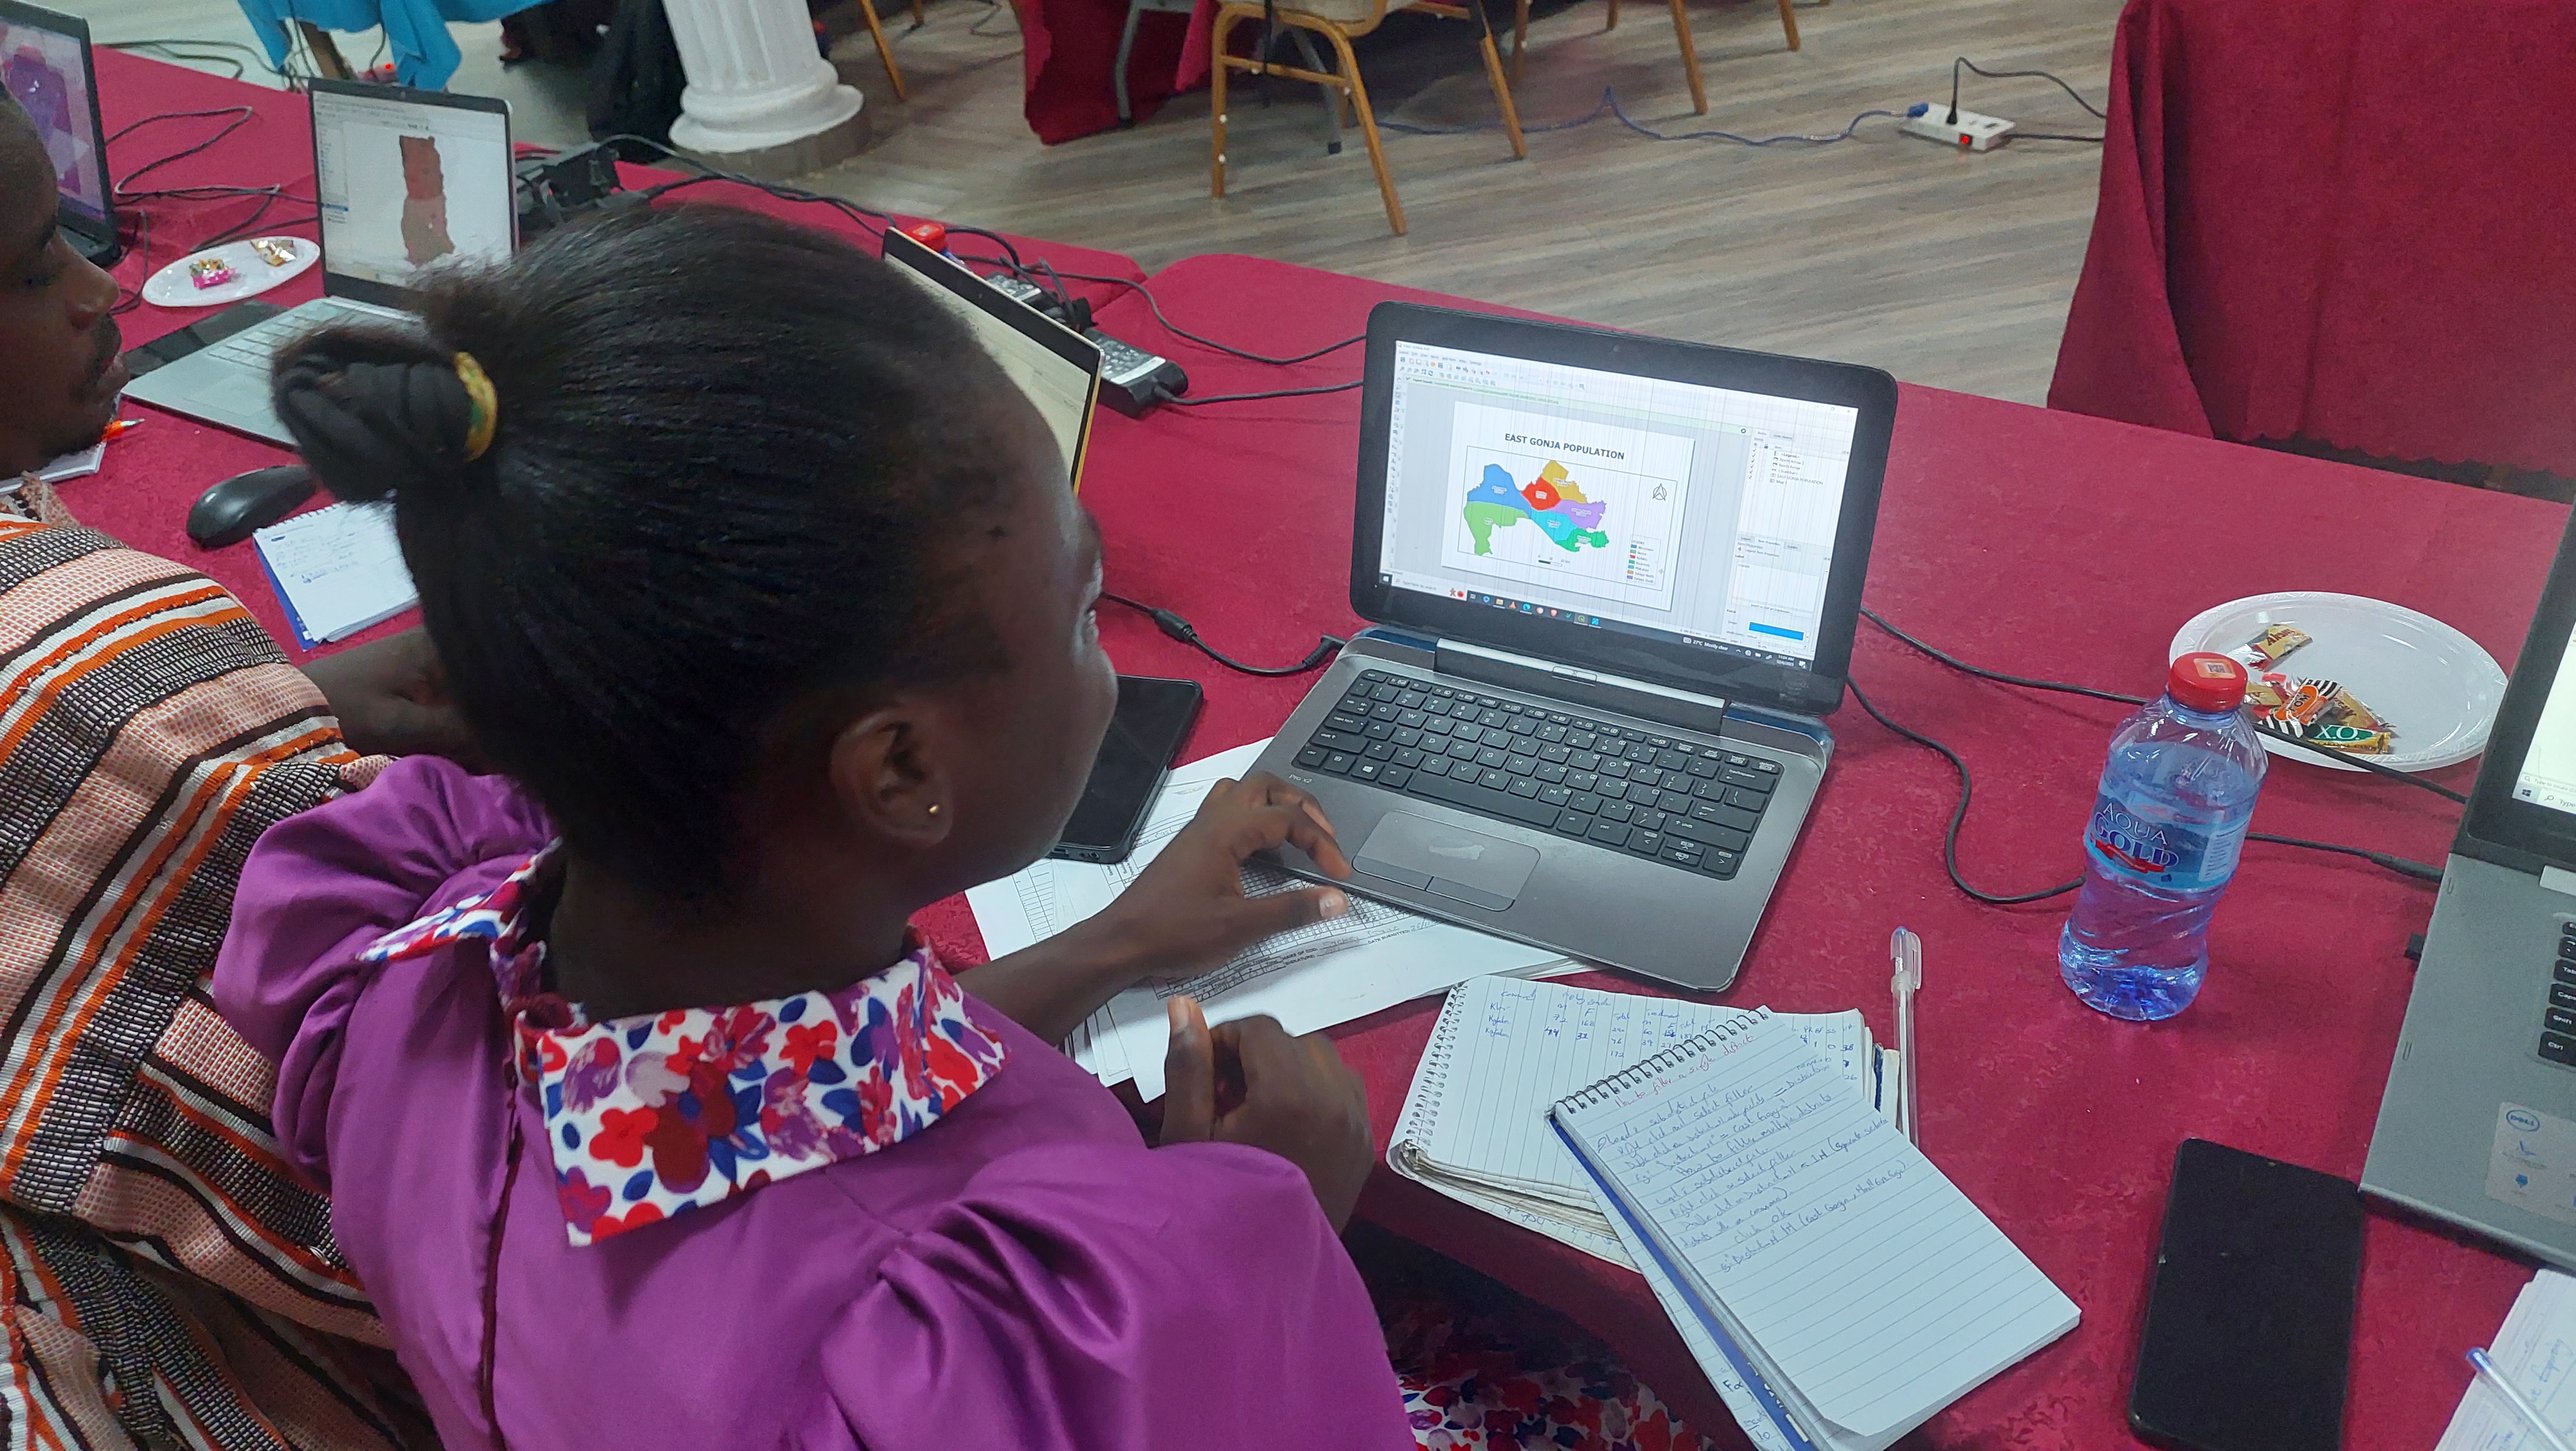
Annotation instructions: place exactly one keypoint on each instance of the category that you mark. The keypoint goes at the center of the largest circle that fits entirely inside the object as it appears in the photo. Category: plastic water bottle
(2168, 826)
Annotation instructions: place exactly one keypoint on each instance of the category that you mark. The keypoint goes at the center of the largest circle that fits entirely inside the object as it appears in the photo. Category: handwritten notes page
(1475, 1124)
(1780, 1199)
(2536, 1350)
(339, 570)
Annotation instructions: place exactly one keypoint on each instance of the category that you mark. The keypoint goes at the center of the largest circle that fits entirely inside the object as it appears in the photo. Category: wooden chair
(1338, 21)
(1681, 33)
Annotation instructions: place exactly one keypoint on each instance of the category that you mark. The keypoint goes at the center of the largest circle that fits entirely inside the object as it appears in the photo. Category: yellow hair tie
(486, 414)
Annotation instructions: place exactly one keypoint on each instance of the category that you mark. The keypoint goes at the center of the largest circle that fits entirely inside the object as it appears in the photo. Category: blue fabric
(415, 30)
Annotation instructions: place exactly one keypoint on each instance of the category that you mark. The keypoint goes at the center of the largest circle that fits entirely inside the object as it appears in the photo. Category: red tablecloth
(2021, 538)
(151, 475)
(2345, 221)
(2029, 539)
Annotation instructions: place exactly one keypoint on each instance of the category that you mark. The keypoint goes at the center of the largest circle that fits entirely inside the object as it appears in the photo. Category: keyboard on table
(2558, 1023)
(1688, 806)
(257, 346)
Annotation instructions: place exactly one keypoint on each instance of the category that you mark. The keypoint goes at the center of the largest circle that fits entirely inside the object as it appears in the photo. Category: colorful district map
(1551, 501)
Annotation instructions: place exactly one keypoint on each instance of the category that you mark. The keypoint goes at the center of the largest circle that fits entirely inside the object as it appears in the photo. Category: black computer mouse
(228, 512)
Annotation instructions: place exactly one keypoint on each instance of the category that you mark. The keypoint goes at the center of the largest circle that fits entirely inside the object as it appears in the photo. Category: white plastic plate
(2427, 680)
(252, 275)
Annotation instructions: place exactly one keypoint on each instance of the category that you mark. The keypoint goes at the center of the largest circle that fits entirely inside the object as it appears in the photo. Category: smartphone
(1153, 715)
(2249, 1317)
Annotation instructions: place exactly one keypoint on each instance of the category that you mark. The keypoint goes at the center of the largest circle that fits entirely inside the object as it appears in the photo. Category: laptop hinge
(2558, 879)
(1682, 709)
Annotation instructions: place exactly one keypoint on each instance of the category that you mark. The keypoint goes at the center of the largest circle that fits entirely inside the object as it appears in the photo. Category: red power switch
(929, 234)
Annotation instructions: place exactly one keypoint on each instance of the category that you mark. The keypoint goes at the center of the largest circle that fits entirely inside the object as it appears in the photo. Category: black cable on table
(1182, 630)
(1178, 331)
(1958, 815)
(1203, 401)
(2403, 866)
(2325, 753)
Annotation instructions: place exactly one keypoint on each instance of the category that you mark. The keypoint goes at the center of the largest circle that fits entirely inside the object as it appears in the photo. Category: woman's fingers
(1189, 1075)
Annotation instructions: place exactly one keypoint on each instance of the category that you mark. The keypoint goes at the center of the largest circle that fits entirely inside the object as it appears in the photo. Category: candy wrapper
(210, 272)
(275, 251)
(2269, 648)
(2323, 711)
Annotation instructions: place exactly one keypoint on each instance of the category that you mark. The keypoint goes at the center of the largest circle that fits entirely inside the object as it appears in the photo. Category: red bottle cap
(929, 234)
(2205, 680)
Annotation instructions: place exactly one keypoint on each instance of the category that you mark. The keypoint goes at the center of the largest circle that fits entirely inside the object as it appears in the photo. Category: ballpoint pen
(119, 429)
(2523, 1408)
(1906, 950)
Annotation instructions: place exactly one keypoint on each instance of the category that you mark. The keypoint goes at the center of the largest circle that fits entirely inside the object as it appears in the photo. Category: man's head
(55, 331)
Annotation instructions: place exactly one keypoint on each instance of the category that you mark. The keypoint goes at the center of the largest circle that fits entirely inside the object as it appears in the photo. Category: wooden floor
(1943, 268)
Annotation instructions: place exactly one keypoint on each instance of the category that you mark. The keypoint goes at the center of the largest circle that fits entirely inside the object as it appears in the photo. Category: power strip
(1969, 131)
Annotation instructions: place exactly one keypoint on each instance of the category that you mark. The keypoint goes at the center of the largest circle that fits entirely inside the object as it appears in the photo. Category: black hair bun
(375, 415)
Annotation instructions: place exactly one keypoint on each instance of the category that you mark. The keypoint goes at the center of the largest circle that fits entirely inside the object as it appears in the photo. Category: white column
(756, 80)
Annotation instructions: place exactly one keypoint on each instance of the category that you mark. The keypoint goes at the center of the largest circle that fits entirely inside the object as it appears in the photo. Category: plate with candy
(2356, 675)
(231, 272)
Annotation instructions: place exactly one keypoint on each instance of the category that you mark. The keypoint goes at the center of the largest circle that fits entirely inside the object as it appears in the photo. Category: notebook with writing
(1774, 1198)
(1475, 1125)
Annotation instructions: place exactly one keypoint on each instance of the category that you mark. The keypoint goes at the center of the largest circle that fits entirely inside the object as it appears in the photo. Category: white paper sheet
(338, 570)
(1312, 978)
(2536, 1350)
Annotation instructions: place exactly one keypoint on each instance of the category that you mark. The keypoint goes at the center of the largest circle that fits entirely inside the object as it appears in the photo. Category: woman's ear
(889, 776)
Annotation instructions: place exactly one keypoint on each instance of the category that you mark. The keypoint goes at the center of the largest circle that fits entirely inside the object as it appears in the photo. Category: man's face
(59, 370)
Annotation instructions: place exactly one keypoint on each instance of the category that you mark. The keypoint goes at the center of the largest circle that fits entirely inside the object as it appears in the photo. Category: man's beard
(110, 343)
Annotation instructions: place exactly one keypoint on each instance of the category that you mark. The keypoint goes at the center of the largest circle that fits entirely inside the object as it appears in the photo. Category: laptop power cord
(2403, 866)
(1182, 630)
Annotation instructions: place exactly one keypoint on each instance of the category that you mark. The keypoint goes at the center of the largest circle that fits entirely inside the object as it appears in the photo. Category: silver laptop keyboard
(1688, 806)
(257, 347)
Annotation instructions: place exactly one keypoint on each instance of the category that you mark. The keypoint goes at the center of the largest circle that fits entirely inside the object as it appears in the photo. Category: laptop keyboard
(2558, 1022)
(1691, 807)
(256, 347)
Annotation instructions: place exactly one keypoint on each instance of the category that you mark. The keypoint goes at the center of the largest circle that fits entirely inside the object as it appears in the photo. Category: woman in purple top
(646, 1120)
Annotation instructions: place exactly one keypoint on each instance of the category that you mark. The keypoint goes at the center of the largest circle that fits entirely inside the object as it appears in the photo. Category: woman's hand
(1297, 1099)
(392, 700)
(1187, 913)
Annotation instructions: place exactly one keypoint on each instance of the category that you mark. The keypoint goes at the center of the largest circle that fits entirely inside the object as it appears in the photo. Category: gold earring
(934, 808)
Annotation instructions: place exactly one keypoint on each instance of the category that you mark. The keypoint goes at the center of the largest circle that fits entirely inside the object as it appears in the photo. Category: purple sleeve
(320, 887)
(1082, 1298)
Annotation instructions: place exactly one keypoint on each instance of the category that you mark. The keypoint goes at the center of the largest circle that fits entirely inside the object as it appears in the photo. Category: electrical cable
(1203, 401)
(1173, 625)
(2327, 753)
(2097, 111)
(1178, 331)
(1610, 106)
(2403, 866)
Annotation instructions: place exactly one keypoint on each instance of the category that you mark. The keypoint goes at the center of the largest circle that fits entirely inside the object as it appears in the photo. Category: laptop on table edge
(2478, 1124)
(1613, 582)
(218, 371)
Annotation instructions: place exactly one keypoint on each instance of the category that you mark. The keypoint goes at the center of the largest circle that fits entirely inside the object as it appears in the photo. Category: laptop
(1058, 368)
(2478, 1126)
(1613, 582)
(406, 180)
(45, 65)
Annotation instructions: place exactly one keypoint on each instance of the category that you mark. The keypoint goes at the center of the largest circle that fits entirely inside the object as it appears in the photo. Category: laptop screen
(1673, 511)
(404, 184)
(1058, 368)
(2548, 774)
(47, 72)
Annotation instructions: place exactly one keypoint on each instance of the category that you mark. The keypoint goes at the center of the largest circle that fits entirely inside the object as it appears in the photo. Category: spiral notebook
(1762, 1188)
(1475, 1126)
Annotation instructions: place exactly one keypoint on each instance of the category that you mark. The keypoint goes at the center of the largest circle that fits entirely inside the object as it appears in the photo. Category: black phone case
(2248, 1337)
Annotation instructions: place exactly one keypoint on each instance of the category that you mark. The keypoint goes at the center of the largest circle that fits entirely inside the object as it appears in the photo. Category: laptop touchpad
(1428, 856)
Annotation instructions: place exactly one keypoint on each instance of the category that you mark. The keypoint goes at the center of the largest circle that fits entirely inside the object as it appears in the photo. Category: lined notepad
(2536, 1350)
(1775, 1199)
(337, 570)
(1475, 1123)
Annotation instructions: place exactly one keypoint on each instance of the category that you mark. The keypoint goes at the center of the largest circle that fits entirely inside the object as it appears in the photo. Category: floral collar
(655, 1115)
